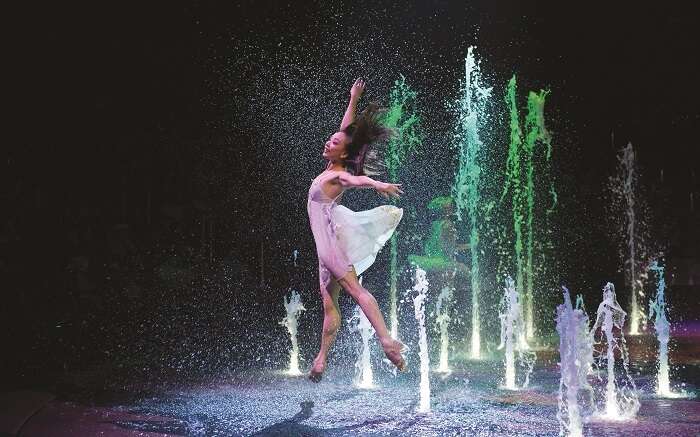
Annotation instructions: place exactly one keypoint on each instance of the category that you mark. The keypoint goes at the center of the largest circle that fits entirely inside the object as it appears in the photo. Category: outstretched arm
(387, 190)
(355, 93)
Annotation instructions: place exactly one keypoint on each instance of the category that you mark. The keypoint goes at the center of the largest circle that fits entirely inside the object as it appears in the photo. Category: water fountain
(620, 393)
(536, 134)
(512, 338)
(421, 286)
(364, 377)
(520, 182)
(470, 111)
(513, 183)
(624, 186)
(443, 322)
(657, 310)
(293, 306)
(401, 116)
(576, 359)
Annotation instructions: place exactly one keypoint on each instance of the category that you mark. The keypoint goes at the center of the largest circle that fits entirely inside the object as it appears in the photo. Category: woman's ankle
(387, 342)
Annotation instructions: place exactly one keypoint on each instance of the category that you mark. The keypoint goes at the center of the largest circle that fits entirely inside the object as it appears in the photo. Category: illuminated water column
(402, 116)
(293, 306)
(470, 111)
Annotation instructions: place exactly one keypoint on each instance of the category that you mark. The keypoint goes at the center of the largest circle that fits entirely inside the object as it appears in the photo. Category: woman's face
(334, 150)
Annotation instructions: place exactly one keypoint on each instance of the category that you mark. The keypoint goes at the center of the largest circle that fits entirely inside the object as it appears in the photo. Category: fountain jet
(620, 394)
(364, 377)
(421, 286)
(293, 307)
(513, 337)
(470, 112)
(576, 359)
(443, 321)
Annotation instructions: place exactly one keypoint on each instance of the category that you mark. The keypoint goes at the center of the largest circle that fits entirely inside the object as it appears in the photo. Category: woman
(347, 242)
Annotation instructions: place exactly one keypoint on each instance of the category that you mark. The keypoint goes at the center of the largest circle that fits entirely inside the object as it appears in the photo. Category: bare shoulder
(337, 176)
(332, 185)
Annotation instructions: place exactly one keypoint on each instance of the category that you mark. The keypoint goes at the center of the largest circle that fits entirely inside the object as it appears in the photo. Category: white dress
(345, 238)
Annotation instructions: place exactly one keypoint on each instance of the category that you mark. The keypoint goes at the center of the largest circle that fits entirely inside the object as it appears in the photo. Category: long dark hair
(365, 133)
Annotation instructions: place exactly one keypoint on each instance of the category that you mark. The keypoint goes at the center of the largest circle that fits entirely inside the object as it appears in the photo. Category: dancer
(347, 242)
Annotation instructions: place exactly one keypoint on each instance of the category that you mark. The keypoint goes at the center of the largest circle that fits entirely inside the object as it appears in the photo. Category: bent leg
(367, 302)
(392, 348)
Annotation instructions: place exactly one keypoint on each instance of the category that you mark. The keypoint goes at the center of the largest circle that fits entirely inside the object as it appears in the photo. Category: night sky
(186, 133)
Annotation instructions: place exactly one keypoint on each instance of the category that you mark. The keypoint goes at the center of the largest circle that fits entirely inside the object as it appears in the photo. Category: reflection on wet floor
(467, 402)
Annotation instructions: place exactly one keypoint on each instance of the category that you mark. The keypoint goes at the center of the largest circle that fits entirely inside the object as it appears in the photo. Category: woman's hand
(357, 89)
(355, 93)
(389, 190)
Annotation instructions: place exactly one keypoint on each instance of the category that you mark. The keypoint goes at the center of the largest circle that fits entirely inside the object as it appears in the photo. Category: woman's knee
(358, 292)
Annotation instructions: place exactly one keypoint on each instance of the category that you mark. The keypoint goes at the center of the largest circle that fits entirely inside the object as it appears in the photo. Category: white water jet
(293, 307)
(576, 359)
(421, 286)
(471, 113)
(513, 337)
(443, 321)
(364, 377)
(628, 194)
(657, 310)
(620, 394)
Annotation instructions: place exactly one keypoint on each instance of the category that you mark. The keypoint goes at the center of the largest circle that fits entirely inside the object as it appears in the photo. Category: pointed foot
(394, 352)
(316, 373)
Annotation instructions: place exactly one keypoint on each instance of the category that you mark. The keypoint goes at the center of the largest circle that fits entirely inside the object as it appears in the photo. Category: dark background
(164, 150)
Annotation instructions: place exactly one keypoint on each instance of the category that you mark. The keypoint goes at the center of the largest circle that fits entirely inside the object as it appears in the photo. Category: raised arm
(355, 93)
(387, 190)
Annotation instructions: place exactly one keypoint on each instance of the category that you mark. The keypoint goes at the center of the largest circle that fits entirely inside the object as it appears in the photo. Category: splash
(293, 306)
(421, 286)
(576, 359)
(402, 116)
(512, 327)
(443, 321)
(364, 377)
(620, 394)
(470, 110)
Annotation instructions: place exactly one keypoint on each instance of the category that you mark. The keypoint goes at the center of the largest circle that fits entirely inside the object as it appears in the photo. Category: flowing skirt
(362, 234)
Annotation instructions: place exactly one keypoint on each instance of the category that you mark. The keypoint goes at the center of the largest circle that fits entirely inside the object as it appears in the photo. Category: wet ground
(469, 401)
(466, 402)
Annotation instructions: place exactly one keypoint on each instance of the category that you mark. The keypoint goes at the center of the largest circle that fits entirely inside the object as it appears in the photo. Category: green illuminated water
(514, 182)
(527, 178)
(467, 190)
(404, 118)
(536, 133)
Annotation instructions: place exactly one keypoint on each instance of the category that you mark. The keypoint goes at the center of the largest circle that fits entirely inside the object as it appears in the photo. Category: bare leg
(331, 323)
(392, 348)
